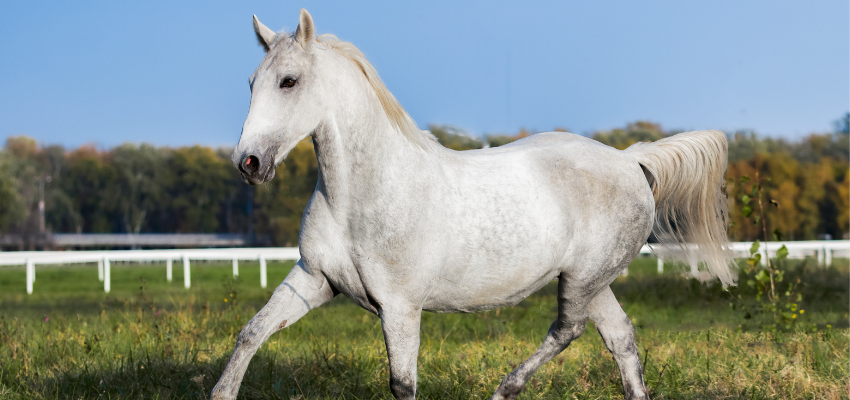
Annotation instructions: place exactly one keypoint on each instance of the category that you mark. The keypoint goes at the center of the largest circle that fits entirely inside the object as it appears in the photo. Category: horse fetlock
(510, 387)
(219, 396)
(635, 393)
(222, 392)
(403, 387)
(507, 393)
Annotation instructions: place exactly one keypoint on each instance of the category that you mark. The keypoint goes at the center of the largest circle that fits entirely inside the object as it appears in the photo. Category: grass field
(153, 339)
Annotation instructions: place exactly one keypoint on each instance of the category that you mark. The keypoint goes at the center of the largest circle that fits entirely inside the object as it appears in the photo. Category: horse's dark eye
(287, 82)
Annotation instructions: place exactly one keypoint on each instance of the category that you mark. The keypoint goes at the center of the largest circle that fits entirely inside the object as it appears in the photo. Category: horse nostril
(251, 164)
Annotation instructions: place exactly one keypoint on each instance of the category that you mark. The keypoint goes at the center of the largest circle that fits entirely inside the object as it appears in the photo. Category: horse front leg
(401, 335)
(299, 293)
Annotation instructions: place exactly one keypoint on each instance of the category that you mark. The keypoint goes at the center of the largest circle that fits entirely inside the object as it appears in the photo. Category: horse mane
(399, 118)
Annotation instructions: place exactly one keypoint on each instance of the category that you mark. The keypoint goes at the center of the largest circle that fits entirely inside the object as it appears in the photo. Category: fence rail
(104, 259)
(824, 250)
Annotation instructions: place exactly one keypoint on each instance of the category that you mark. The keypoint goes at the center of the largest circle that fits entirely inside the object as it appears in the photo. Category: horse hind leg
(571, 322)
(299, 293)
(617, 334)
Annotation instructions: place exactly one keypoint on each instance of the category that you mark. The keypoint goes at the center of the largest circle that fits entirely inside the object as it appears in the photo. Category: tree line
(806, 183)
(146, 189)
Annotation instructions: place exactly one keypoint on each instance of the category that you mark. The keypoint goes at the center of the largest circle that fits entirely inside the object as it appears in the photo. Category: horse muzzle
(256, 168)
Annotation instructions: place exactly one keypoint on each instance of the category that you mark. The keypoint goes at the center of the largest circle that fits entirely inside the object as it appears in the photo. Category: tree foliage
(808, 182)
(146, 189)
(11, 208)
(808, 179)
(640, 131)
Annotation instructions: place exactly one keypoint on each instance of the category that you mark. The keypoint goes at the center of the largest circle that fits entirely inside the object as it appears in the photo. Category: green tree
(808, 180)
(640, 131)
(281, 202)
(90, 180)
(454, 138)
(142, 188)
(501, 140)
(141, 170)
(199, 188)
(11, 208)
(30, 169)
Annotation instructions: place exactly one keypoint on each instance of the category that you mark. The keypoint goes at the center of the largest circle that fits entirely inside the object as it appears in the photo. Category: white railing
(104, 258)
(824, 250)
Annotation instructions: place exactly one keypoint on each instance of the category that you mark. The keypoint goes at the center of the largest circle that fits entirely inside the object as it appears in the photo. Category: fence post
(107, 276)
(827, 257)
(764, 254)
(660, 265)
(168, 273)
(235, 267)
(262, 271)
(30, 277)
(100, 270)
(187, 280)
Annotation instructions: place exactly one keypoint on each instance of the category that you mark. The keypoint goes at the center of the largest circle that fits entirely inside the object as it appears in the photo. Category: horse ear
(306, 31)
(264, 34)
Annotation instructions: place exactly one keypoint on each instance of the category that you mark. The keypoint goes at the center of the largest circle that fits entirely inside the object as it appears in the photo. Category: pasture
(153, 339)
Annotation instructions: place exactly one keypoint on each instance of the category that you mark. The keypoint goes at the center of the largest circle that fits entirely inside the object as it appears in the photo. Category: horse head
(285, 101)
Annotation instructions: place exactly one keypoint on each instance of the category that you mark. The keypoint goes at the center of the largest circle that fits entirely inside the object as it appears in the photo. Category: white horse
(400, 224)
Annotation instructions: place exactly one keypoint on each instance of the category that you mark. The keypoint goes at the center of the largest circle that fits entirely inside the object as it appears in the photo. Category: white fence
(103, 259)
(824, 251)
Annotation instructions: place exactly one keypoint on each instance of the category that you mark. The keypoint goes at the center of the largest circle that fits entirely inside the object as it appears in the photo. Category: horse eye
(287, 83)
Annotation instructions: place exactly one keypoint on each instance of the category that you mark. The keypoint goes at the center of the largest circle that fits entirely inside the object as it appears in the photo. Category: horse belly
(505, 236)
(483, 287)
(504, 259)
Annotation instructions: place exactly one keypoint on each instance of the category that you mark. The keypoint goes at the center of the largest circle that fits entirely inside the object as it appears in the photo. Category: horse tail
(688, 183)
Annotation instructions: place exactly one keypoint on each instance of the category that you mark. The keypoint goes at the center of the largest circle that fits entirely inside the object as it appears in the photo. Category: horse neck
(364, 157)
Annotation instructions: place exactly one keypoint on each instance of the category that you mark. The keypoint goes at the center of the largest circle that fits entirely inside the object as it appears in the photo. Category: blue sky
(175, 73)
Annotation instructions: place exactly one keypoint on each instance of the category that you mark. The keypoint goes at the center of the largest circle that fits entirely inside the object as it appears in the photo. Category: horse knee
(255, 332)
(249, 338)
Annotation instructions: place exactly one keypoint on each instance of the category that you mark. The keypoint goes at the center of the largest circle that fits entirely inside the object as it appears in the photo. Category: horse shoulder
(321, 240)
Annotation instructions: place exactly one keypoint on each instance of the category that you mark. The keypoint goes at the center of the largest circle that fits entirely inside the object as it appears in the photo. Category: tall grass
(158, 340)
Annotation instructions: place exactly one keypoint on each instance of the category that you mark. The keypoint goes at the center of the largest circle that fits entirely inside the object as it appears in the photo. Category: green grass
(70, 340)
